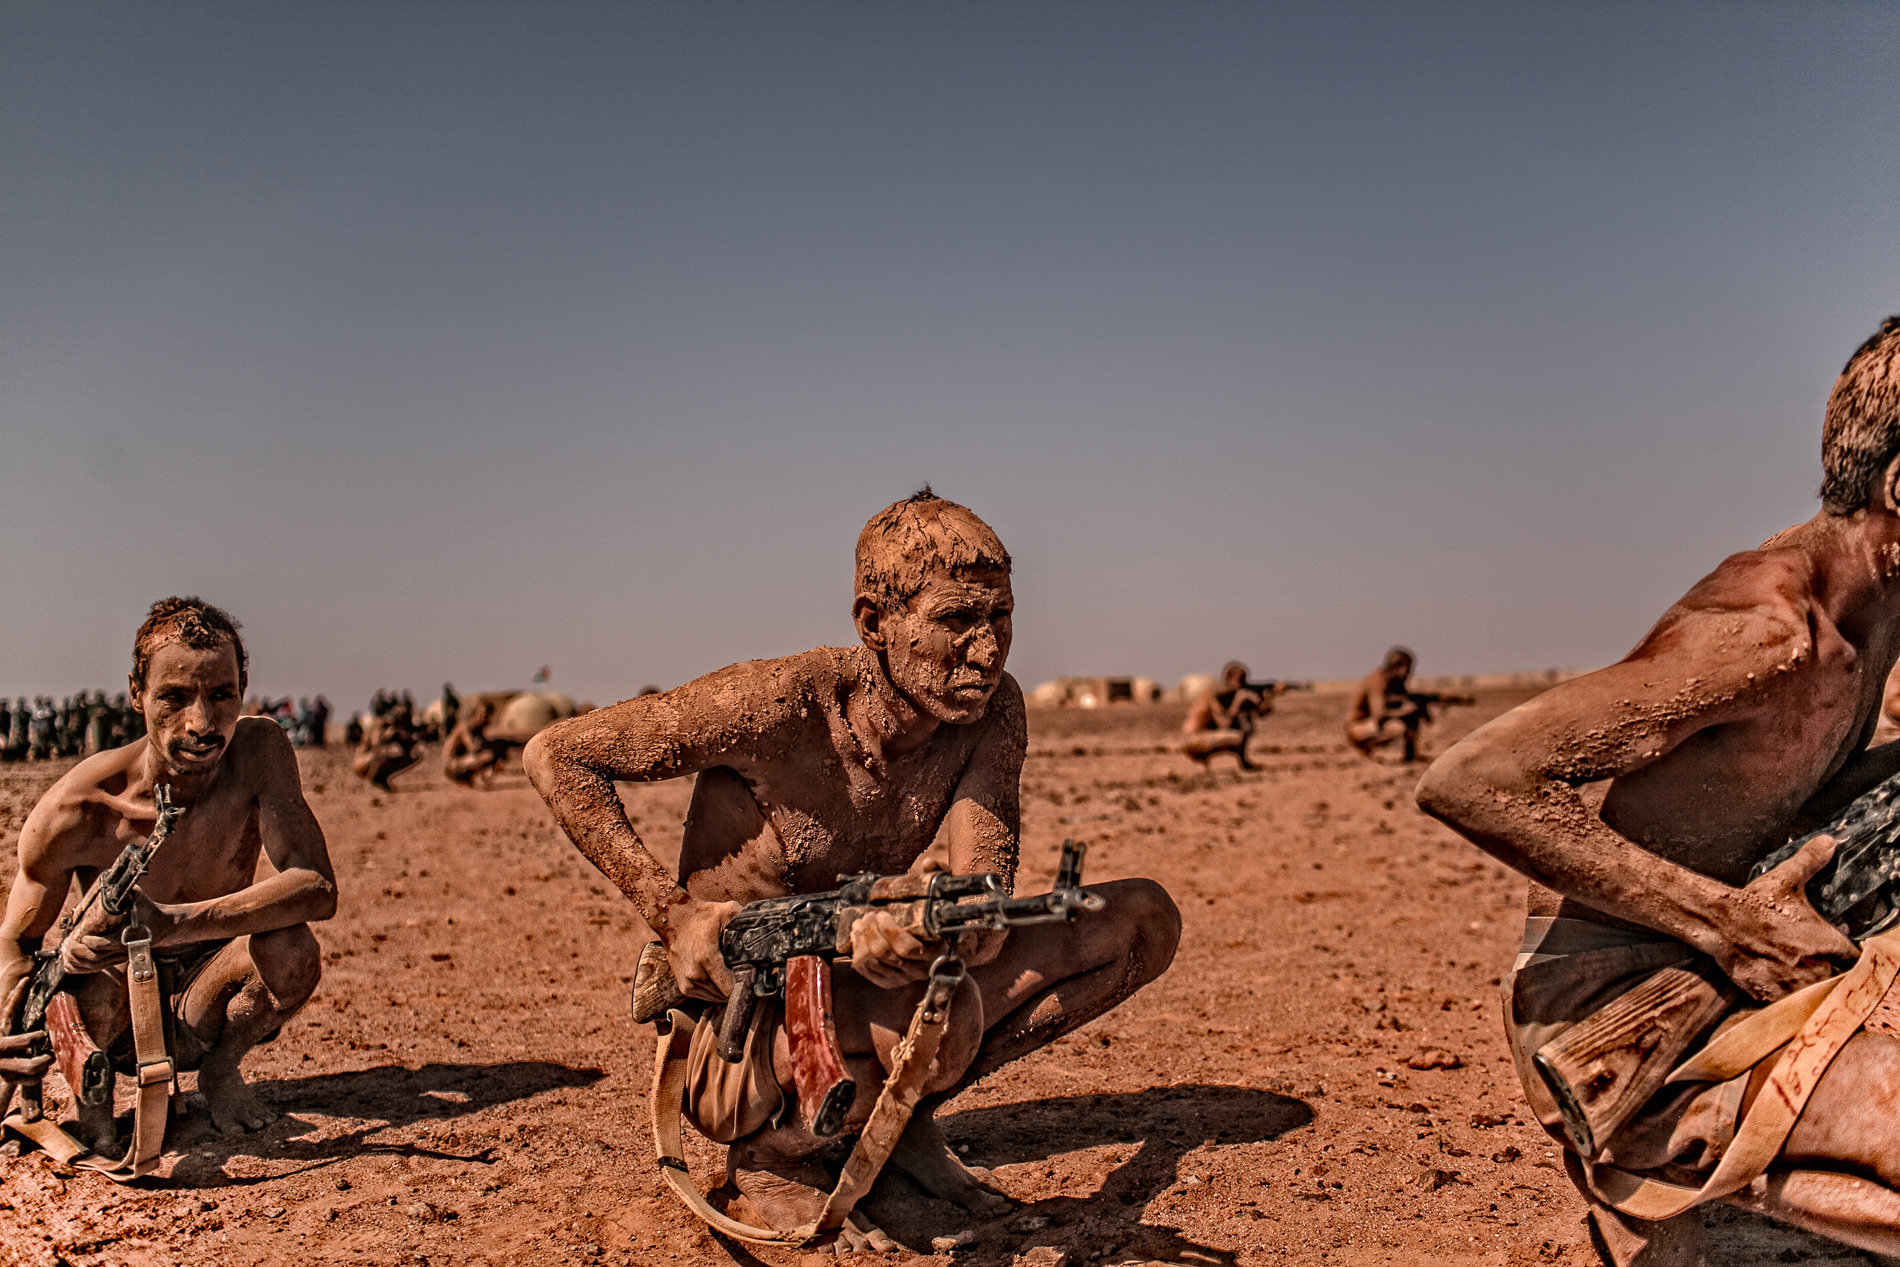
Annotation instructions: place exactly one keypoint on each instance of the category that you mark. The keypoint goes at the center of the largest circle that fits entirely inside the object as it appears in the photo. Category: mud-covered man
(1387, 714)
(1222, 718)
(901, 754)
(1738, 724)
(236, 956)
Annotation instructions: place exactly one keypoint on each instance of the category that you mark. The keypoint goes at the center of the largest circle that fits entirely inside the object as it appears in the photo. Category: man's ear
(868, 617)
(1890, 486)
(134, 695)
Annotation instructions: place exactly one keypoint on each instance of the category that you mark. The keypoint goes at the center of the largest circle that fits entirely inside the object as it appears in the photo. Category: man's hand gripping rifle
(785, 946)
(102, 910)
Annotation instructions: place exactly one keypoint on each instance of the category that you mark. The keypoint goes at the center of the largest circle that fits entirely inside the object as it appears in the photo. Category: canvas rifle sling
(889, 1116)
(1809, 1027)
(154, 1071)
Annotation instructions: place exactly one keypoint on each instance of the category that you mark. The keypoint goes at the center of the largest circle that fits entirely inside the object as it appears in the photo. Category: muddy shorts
(731, 1100)
(177, 972)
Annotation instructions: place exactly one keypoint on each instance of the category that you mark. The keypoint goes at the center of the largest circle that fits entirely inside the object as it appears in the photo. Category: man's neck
(886, 723)
(184, 789)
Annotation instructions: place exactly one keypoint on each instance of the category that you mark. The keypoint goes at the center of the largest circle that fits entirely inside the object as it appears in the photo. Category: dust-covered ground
(1320, 1078)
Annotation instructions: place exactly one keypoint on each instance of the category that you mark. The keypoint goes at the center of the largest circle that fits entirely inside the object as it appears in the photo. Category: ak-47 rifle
(112, 897)
(785, 945)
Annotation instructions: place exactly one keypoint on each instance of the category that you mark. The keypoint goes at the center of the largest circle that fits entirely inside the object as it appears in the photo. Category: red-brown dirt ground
(1320, 1078)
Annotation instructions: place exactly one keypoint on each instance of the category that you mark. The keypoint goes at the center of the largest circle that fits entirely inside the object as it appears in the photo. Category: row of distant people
(39, 729)
(307, 721)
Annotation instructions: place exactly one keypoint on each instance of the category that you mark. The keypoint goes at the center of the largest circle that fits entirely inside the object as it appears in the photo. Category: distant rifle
(785, 945)
(111, 897)
(1427, 700)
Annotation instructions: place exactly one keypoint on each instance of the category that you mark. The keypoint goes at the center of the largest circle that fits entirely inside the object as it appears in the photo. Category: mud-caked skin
(236, 780)
(902, 754)
(1223, 718)
(1741, 719)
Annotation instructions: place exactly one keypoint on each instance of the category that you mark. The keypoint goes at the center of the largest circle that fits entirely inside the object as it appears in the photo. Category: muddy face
(945, 650)
(191, 700)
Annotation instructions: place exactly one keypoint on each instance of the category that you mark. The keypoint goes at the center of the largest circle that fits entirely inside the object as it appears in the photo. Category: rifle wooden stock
(655, 992)
(1601, 1070)
(81, 1063)
(825, 1089)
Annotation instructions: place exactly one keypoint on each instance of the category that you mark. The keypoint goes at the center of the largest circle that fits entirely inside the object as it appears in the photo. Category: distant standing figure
(319, 722)
(1387, 713)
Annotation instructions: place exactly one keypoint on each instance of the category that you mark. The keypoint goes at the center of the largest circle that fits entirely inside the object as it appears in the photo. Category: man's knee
(962, 1039)
(289, 962)
(1148, 919)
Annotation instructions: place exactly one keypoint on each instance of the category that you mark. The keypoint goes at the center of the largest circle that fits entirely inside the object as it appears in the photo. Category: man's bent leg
(1845, 1208)
(243, 996)
(1053, 978)
(1048, 979)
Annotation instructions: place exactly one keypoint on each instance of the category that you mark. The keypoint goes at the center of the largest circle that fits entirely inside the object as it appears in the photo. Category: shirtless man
(902, 754)
(236, 958)
(1386, 712)
(1223, 718)
(1740, 721)
(468, 754)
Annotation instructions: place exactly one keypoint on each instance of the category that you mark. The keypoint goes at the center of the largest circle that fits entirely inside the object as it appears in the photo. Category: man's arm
(716, 720)
(1512, 789)
(303, 890)
(39, 889)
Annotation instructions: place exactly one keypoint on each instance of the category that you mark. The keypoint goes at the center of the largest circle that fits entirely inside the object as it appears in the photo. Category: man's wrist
(671, 912)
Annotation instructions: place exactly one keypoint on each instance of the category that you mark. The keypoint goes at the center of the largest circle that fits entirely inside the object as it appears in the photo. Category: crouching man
(1672, 1012)
(901, 755)
(235, 959)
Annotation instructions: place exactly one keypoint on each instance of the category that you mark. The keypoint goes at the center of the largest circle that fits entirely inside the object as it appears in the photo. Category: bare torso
(213, 849)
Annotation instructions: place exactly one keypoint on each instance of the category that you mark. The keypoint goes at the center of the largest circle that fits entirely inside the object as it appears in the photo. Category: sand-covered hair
(907, 539)
(1861, 432)
(195, 623)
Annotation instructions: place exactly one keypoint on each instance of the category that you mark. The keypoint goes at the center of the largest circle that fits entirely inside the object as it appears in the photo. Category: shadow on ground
(381, 1098)
(1161, 1125)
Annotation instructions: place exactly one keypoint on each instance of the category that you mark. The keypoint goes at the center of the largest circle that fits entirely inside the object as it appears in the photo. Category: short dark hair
(1861, 431)
(193, 622)
(908, 538)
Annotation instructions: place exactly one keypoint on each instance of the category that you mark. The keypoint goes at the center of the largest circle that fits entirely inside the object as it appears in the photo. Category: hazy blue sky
(448, 340)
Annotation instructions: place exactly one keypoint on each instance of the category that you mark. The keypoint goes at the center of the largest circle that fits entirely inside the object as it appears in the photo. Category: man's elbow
(320, 900)
(538, 762)
(1457, 787)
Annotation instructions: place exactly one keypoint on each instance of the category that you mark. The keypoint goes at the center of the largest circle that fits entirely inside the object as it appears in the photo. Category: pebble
(273, 1211)
(1043, 1256)
(950, 1244)
(1030, 1223)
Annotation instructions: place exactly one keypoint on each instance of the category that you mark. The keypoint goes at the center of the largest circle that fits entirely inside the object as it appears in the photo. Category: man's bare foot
(924, 1154)
(786, 1188)
(234, 1108)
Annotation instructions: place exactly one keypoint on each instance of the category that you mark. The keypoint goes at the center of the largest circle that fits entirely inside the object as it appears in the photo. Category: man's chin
(192, 760)
(960, 708)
